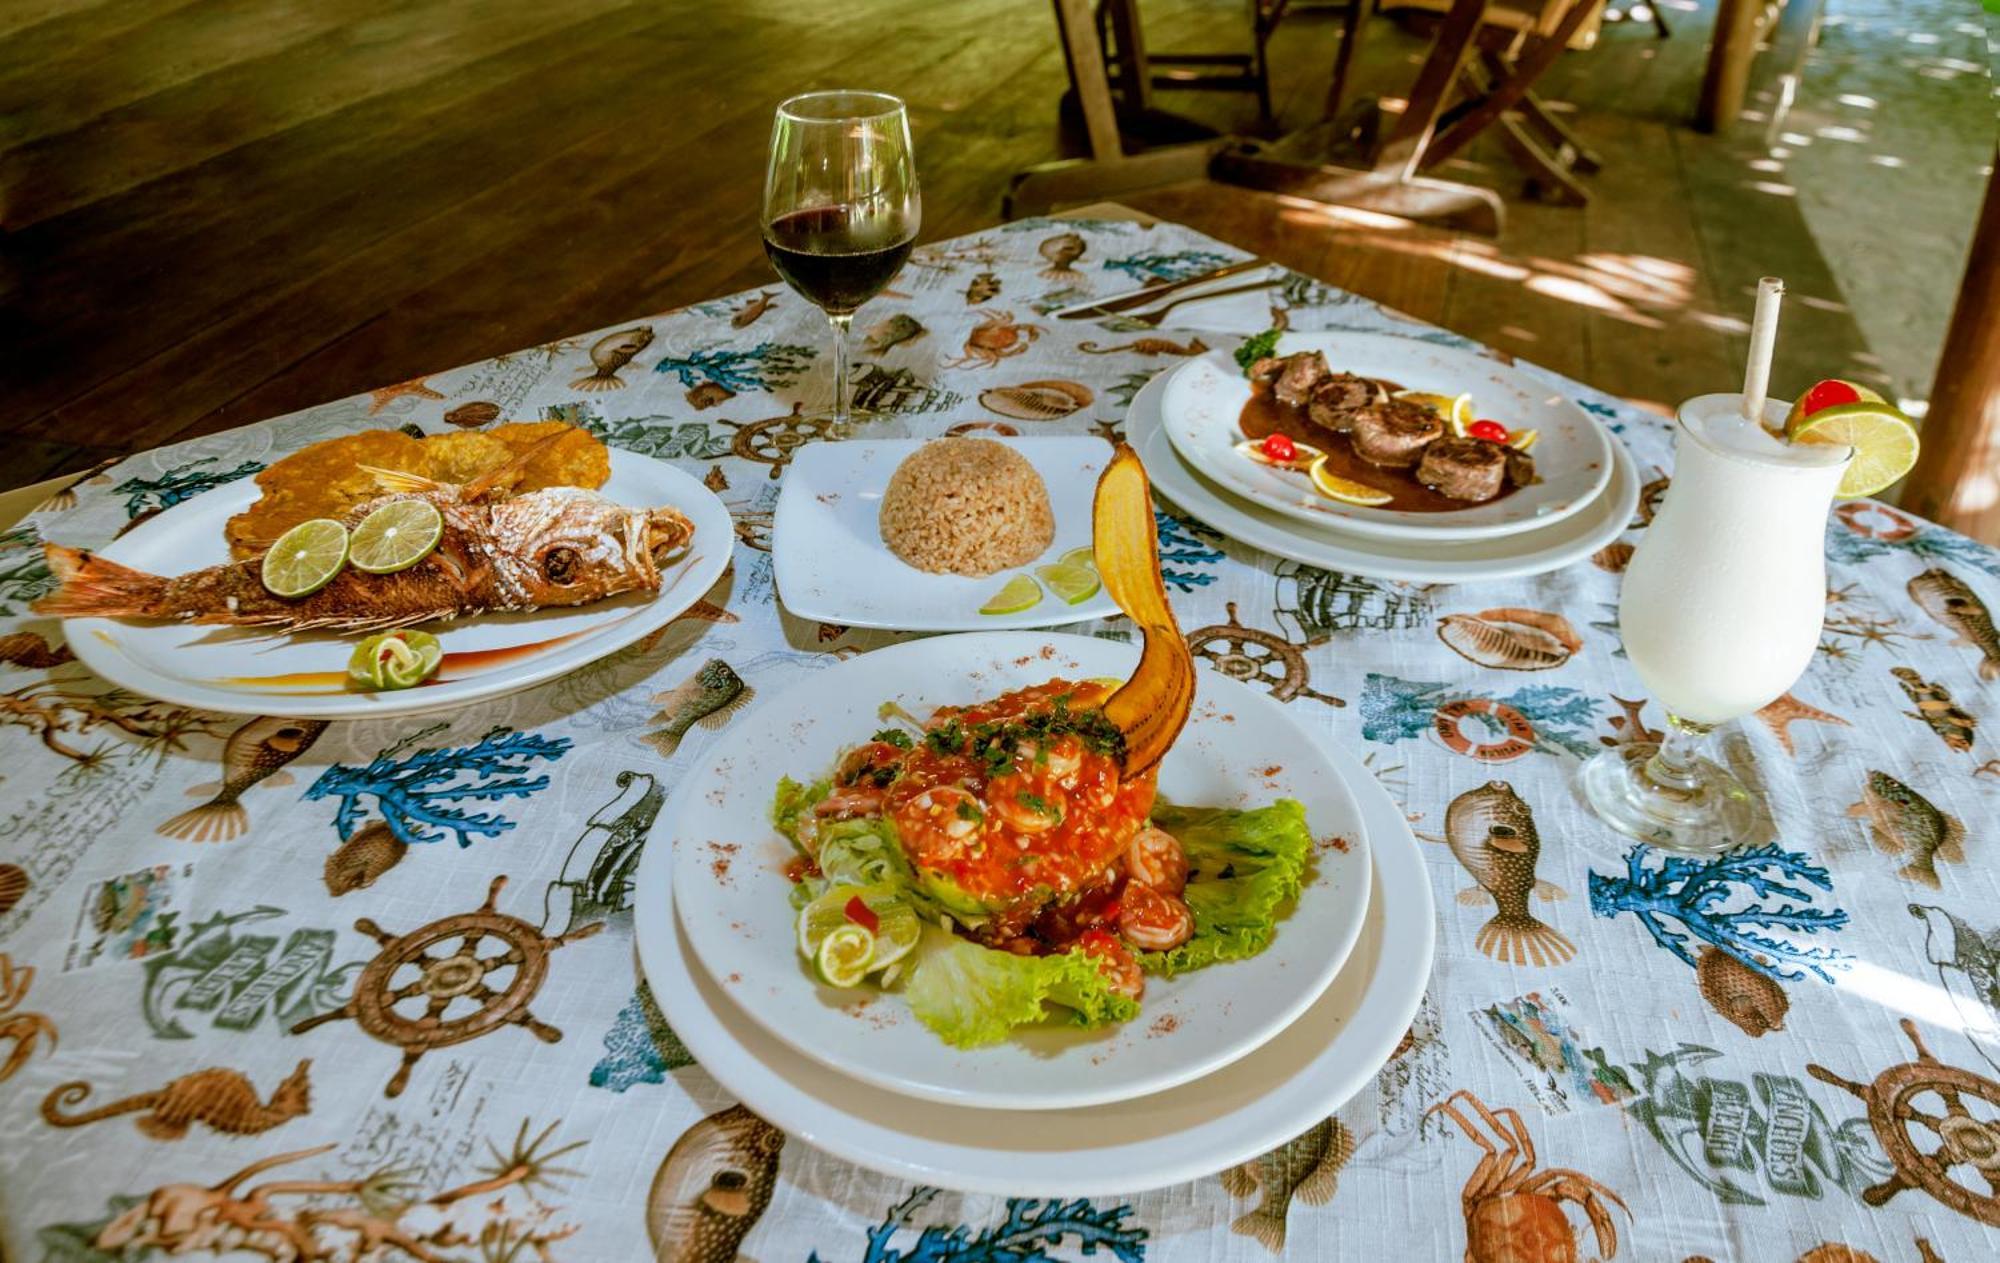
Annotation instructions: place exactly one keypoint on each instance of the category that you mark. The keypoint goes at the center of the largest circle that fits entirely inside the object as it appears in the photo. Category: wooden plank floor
(211, 212)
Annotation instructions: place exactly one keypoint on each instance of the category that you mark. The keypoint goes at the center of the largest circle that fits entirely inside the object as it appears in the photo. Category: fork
(1152, 319)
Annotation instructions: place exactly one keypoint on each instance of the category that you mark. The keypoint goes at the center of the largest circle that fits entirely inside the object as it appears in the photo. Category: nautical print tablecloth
(1693, 1049)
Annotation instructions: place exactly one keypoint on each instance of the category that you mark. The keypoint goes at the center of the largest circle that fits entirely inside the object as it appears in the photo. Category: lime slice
(1021, 593)
(896, 925)
(396, 536)
(1346, 489)
(1883, 439)
(1074, 584)
(305, 558)
(843, 956)
(395, 660)
(1085, 556)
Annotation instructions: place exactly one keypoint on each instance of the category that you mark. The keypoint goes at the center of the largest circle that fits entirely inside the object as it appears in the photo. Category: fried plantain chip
(327, 479)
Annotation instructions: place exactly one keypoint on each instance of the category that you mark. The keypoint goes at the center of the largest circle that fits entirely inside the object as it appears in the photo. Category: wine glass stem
(1674, 769)
(840, 324)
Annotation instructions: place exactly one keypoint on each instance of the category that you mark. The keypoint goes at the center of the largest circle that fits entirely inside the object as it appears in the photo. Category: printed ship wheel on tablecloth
(1895, 1109)
(1256, 657)
(405, 970)
(773, 440)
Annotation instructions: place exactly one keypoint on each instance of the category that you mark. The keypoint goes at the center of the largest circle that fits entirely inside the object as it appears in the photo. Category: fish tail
(592, 383)
(1522, 940)
(666, 740)
(218, 820)
(1921, 869)
(1265, 1226)
(92, 586)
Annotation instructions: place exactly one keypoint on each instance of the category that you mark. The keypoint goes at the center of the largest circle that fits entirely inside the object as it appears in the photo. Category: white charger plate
(250, 671)
(1254, 1105)
(1565, 543)
(1205, 396)
(830, 564)
(1240, 749)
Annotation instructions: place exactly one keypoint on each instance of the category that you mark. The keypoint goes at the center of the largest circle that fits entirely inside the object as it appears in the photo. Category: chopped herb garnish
(1038, 804)
(1263, 346)
(994, 742)
(969, 811)
(895, 737)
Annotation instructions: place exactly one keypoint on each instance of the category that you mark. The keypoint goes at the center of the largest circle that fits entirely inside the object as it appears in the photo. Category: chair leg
(1350, 39)
(1555, 133)
(1549, 177)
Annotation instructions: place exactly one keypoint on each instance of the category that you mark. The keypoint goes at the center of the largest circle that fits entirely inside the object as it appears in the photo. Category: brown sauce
(1267, 414)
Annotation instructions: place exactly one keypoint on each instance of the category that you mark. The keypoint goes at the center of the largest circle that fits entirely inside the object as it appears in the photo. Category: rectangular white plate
(830, 563)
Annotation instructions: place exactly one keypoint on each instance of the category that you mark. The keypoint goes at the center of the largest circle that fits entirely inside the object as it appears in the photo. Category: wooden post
(1957, 478)
(1730, 52)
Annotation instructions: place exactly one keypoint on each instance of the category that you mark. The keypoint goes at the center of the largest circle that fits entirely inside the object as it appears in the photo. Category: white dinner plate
(829, 561)
(1256, 1104)
(251, 671)
(1204, 399)
(1565, 543)
(1240, 749)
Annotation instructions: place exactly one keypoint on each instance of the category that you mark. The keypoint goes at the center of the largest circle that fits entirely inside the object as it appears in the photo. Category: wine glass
(1720, 613)
(840, 207)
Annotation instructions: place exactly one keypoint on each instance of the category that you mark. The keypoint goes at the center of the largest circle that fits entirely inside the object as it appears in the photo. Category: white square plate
(830, 563)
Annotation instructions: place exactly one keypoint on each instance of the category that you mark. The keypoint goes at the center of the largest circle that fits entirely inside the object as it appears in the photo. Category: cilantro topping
(994, 742)
(1260, 347)
(894, 737)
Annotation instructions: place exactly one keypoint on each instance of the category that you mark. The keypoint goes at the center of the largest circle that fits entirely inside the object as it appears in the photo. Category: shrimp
(848, 804)
(1061, 758)
(1010, 799)
(1151, 921)
(1115, 961)
(1155, 859)
(943, 818)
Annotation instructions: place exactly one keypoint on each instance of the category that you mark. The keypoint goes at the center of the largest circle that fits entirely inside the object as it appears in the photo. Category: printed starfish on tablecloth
(380, 397)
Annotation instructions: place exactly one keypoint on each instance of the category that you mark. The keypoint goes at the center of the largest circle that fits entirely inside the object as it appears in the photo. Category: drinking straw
(1763, 337)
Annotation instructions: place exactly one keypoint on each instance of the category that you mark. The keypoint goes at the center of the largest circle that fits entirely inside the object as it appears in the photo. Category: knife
(1145, 297)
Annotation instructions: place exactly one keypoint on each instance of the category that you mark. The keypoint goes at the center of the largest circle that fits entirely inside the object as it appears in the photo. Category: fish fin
(1549, 892)
(1922, 871)
(1266, 1227)
(1857, 810)
(727, 711)
(665, 740)
(1523, 941)
(1886, 841)
(1512, 846)
(492, 478)
(1951, 848)
(1321, 1183)
(210, 822)
(1472, 896)
(279, 779)
(92, 586)
(1989, 669)
(1240, 1181)
(397, 480)
(669, 699)
(207, 789)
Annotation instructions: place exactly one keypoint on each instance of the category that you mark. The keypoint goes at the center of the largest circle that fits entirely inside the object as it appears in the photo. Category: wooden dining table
(225, 1040)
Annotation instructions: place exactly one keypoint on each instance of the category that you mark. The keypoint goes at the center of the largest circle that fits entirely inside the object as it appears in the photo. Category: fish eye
(729, 1181)
(1502, 831)
(560, 564)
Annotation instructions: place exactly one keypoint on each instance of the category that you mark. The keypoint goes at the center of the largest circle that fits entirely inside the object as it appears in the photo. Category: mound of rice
(966, 506)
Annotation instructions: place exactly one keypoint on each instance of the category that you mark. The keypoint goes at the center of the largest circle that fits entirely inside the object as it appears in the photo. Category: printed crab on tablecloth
(207, 926)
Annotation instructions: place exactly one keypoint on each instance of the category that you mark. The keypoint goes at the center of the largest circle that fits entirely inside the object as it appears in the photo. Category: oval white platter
(1240, 749)
(1204, 398)
(250, 671)
(1564, 543)
(1251, 1106)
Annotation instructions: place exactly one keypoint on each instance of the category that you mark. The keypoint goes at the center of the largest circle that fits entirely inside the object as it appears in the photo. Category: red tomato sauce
(1050, 820)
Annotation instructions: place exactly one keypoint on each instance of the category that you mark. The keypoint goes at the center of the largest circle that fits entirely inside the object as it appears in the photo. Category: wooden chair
(1342, 161)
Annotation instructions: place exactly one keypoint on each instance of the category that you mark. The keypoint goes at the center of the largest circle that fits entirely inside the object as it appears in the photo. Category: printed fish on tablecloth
(254, 754)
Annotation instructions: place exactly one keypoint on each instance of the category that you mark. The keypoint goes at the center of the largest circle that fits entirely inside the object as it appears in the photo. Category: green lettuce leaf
(971, 995)
(791, 811)
(1243, 866)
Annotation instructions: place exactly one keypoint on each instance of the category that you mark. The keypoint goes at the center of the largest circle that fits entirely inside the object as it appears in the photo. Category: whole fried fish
(1902, 820)
(557, 547)
(712, 1186)
(254, 753)
(1944, 596)
(610, 353)
(1491, 831)
(1306, 1167)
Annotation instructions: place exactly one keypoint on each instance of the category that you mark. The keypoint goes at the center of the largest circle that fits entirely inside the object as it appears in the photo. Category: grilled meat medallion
(1394, 434)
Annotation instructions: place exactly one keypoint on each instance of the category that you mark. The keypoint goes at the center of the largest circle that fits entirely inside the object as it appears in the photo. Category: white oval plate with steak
(1206, 420)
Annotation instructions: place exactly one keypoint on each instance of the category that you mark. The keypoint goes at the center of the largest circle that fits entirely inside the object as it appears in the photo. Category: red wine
(835, 262)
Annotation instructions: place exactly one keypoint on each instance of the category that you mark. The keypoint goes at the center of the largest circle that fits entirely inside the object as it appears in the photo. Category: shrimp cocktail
(1006, 861)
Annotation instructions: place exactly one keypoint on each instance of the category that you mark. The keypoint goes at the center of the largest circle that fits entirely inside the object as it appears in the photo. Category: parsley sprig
(994, 742)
